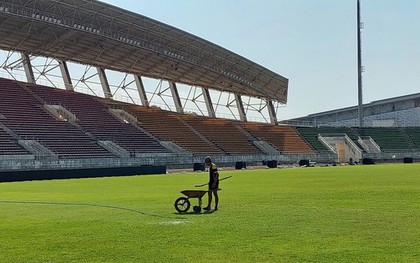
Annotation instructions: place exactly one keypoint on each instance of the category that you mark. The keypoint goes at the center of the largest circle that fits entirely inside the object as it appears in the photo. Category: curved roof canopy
(102, 35)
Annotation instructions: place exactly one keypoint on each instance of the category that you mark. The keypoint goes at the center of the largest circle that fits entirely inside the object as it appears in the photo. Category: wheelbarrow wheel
(182, 204)
(197, 208)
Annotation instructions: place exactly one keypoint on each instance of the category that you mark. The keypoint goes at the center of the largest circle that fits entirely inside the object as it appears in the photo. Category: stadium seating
(8, 146)
(167, 126)
(284, 138)
(311, 135)
(414, 135)
(387, 138)
(94, 117)
(24, 114)
(222, 132)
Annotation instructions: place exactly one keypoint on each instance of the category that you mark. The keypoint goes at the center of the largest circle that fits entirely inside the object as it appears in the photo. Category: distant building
(403, 111)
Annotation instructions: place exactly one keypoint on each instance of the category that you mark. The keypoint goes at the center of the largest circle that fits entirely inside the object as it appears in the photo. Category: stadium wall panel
(12, 176)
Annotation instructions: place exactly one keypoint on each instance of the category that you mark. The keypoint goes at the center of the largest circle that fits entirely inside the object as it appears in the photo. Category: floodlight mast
(359, 67)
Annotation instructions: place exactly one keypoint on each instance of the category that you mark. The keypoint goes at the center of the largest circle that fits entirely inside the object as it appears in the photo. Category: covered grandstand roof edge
(172, 59)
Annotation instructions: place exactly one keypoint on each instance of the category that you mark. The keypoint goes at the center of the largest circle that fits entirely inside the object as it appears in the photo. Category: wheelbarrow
(182, 204)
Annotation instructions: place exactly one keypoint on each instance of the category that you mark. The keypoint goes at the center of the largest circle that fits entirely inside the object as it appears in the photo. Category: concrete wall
(168, 160)
(11, 176)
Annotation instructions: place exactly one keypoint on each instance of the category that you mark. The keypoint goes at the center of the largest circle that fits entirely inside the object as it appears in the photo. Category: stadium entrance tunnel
(28, 175)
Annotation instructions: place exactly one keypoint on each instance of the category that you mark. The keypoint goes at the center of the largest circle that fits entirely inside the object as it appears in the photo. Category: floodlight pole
(359, 67)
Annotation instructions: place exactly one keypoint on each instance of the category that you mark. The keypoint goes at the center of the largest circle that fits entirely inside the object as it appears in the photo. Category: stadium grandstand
(88, 86)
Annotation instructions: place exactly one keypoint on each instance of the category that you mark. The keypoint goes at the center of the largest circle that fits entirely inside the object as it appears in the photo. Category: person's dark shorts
(211, 188)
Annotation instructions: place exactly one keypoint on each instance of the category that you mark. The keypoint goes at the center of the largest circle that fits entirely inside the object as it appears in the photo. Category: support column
(104, 83)
(272, 112)
(65, 75)
(141, 90)
(241, 109)
(175, 96)
(209, 103)
(30, 78)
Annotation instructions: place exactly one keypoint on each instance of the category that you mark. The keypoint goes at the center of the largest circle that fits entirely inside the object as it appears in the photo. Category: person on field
(213, 183)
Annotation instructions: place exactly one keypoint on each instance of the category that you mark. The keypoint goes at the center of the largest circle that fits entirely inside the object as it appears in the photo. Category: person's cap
(207, 159)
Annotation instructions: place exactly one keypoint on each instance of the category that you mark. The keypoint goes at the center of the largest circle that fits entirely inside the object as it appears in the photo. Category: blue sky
(310, 42)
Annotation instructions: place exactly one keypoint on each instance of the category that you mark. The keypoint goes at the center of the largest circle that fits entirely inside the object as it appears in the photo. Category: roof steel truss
(130, 88)
(92, 32)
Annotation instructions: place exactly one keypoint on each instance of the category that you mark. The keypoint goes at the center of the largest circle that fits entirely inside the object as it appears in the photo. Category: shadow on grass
(192, 213)
(92, 205)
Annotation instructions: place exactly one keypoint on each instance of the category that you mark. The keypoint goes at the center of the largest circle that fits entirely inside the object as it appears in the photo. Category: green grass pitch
(321, 214)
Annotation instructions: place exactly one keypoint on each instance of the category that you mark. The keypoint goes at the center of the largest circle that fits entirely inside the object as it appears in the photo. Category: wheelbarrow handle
(224, 178)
